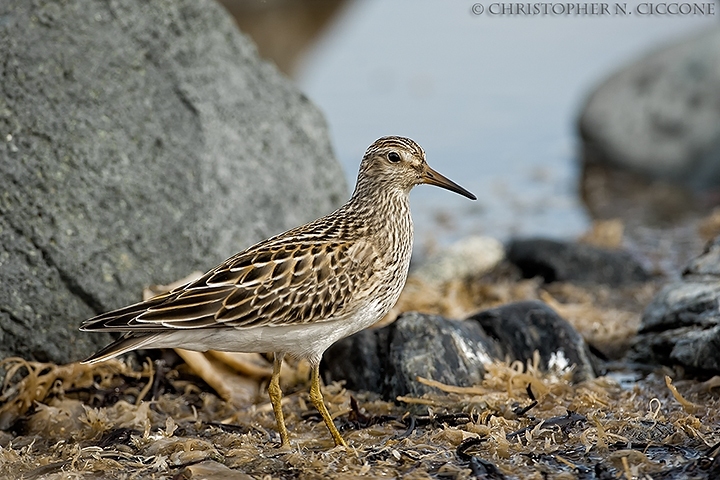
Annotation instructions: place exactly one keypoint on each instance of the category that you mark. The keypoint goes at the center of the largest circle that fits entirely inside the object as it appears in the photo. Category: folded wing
(278, 284)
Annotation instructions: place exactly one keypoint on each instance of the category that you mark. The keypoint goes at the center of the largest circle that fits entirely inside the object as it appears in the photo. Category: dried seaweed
(592, 430)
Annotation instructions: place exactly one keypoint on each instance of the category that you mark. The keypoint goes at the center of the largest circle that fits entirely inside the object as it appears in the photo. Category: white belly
(302, 341)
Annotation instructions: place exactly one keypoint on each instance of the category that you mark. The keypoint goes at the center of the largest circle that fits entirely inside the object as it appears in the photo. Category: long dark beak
(432, 177)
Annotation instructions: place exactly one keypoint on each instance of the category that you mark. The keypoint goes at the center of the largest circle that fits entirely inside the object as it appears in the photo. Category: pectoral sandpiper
(299, 292)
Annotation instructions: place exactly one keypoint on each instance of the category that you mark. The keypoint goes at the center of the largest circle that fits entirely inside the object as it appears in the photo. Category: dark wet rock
(388, 360)
(681, 325)
(557, 261)
(521, 328)
(658, 117)
(139, 141)
(681, 331)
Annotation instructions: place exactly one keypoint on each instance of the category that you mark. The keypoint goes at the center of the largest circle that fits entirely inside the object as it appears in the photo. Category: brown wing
(273, 283)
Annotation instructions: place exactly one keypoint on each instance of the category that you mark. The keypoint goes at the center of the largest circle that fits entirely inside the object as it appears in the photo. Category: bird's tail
(119, 320)
(128, 342)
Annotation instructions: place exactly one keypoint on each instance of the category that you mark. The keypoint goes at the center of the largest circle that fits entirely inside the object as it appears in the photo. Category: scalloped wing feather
(273, 283)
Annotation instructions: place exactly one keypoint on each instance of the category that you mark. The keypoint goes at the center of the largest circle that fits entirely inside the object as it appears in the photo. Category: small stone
(472, 256)
(210, 470)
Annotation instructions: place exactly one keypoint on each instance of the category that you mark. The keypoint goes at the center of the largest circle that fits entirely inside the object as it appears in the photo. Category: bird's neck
(385, 205)
(388, 219)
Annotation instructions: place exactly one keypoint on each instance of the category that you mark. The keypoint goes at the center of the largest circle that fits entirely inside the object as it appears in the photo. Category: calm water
(493, 100)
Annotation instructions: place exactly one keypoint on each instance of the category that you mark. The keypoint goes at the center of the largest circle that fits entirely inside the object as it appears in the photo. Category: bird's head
(399, 163)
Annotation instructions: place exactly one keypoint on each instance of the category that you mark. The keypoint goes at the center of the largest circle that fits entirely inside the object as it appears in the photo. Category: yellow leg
(317, 399)
(275, 394)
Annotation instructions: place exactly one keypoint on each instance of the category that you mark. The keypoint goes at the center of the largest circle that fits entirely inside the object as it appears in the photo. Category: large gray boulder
(139, 141)
(659, 116)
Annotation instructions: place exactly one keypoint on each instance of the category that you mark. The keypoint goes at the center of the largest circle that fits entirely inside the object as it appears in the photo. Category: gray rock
(574, 262)
(389, 360)
(681, 325)
(139, 141)
(684, 303)
(521, 328)
(658, 117)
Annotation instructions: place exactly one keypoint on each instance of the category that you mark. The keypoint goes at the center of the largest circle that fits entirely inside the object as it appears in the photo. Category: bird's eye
(394, 157)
